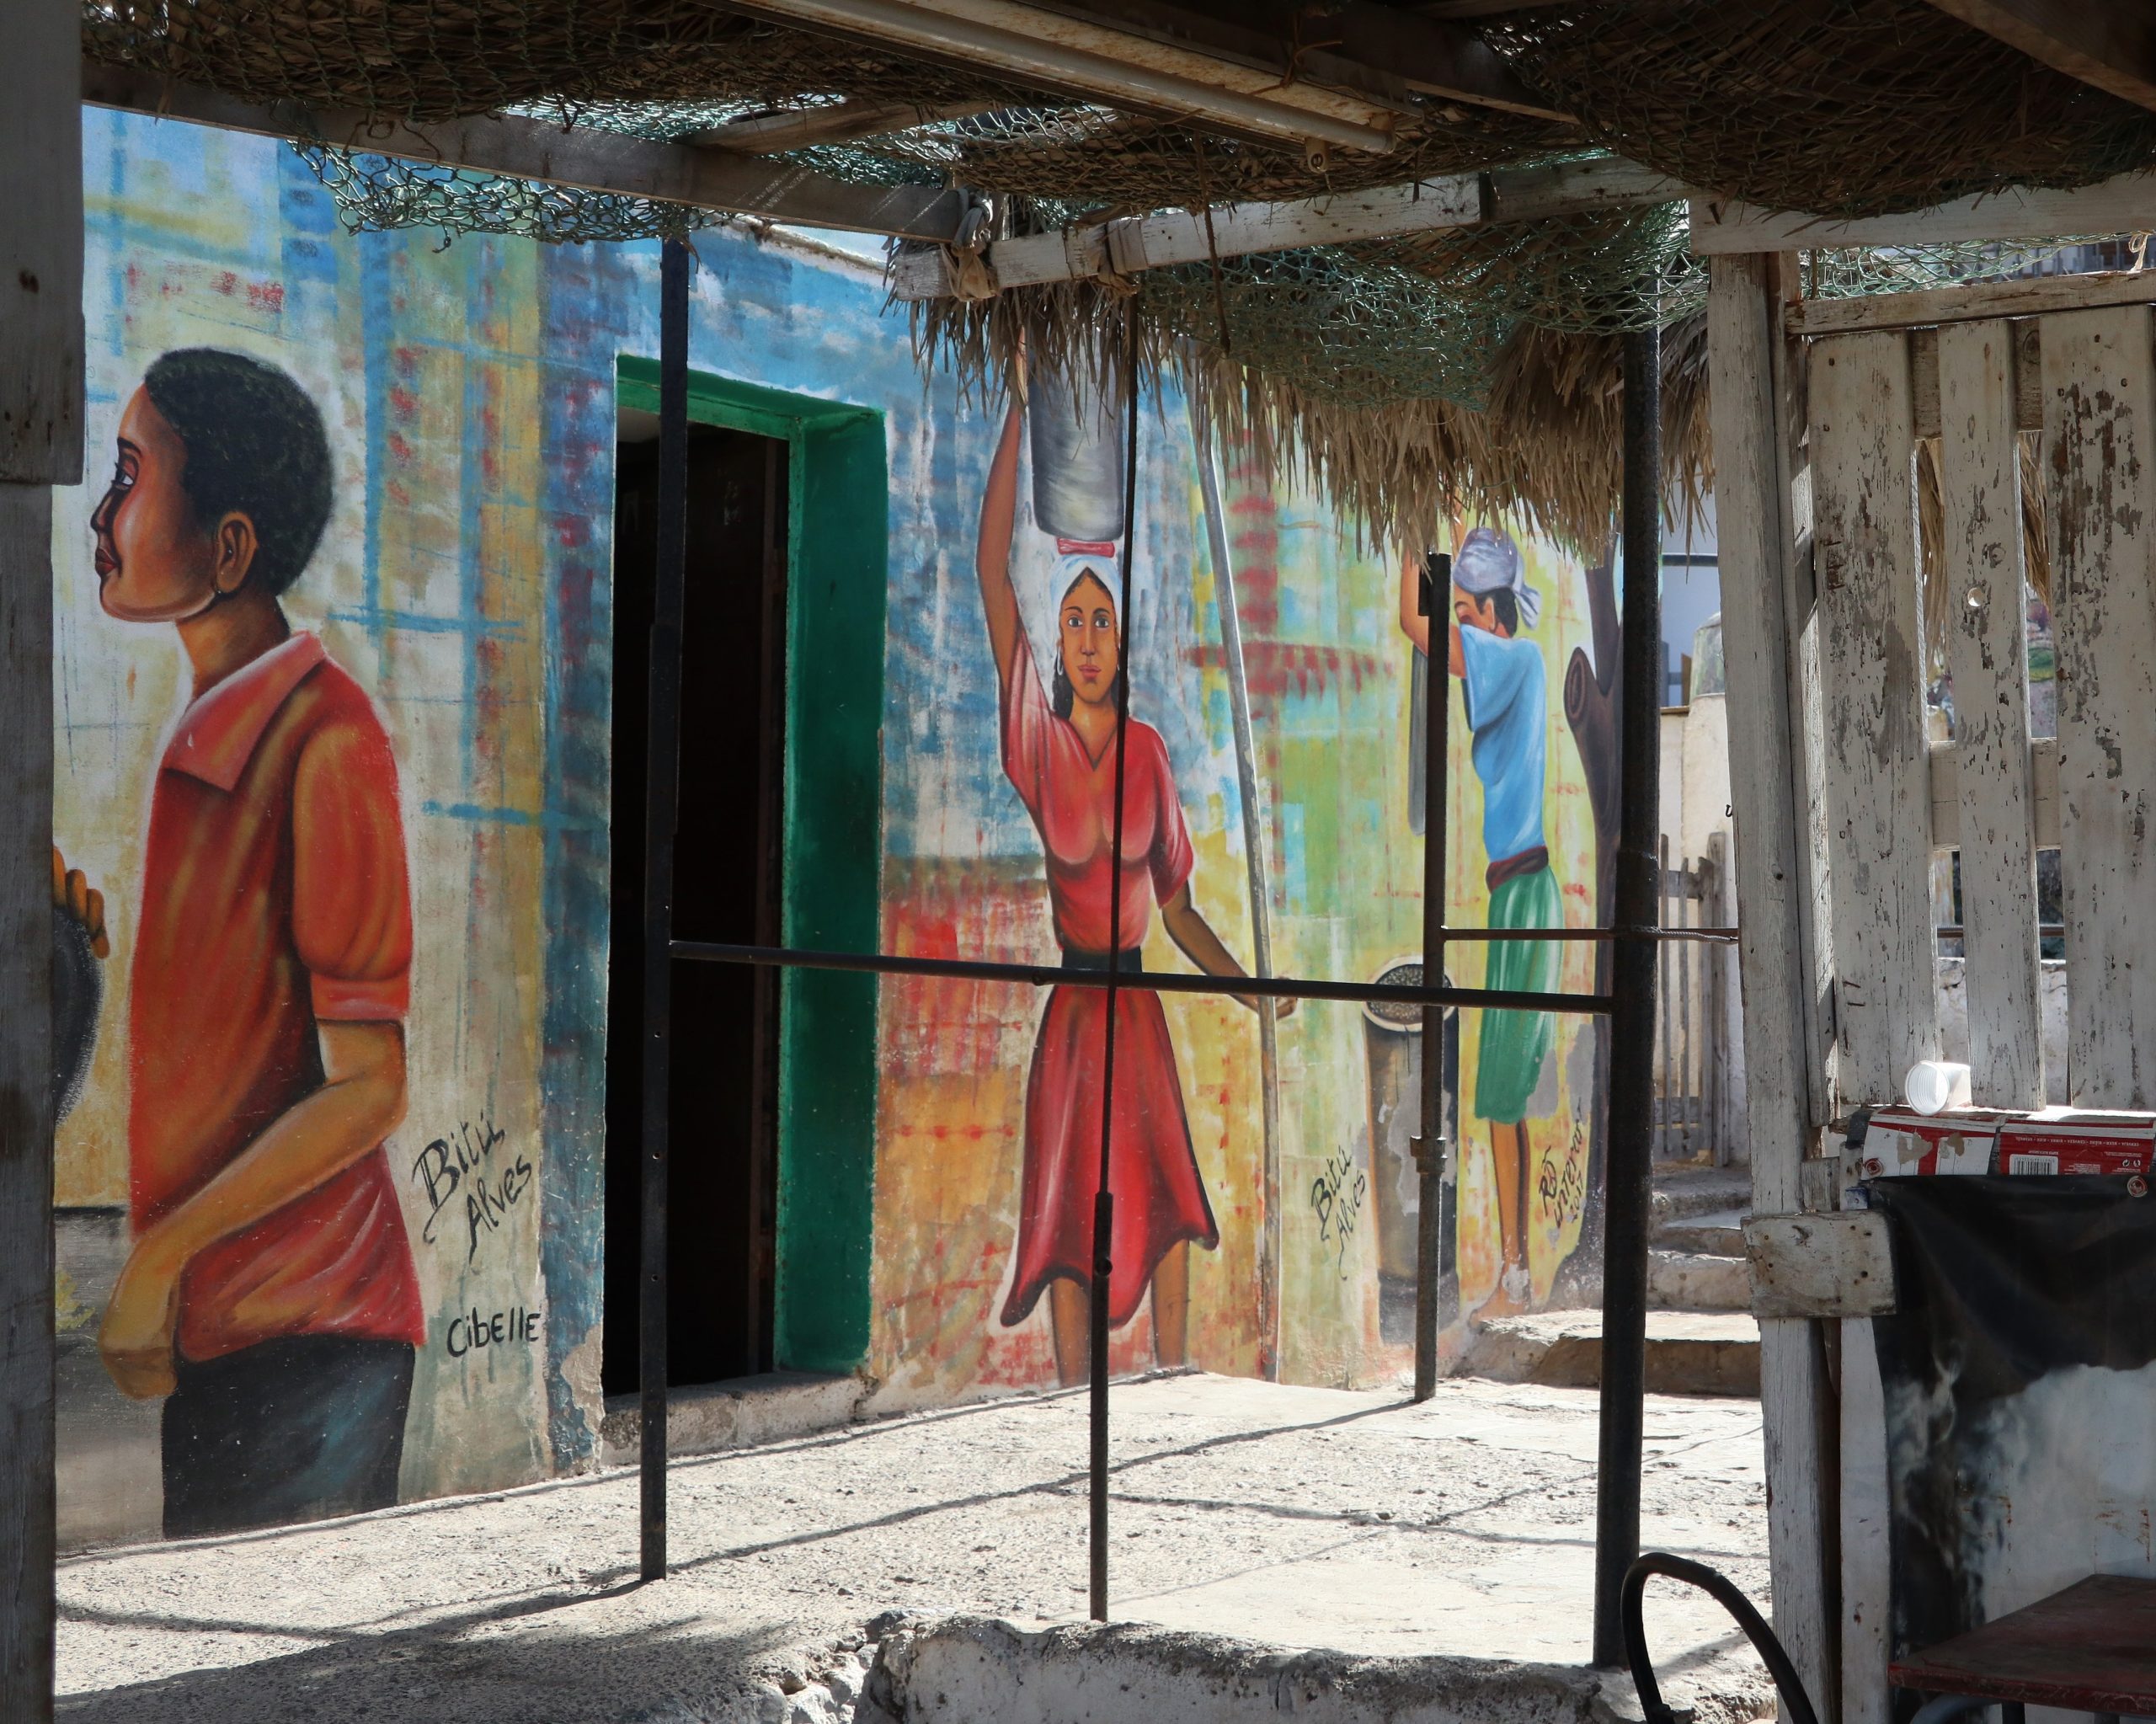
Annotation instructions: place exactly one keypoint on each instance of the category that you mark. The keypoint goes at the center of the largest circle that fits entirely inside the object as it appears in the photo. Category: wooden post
(1861, 401)
(41, 446)
(1762, 635)
(662, 808)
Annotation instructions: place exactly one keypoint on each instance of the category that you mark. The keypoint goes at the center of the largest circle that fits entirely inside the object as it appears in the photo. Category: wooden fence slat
(1877, 764)
(1685, 1060)
(2043, 794)
(2099, 442)
(1980, 555)
(1722, 1121)
(1666, 1114)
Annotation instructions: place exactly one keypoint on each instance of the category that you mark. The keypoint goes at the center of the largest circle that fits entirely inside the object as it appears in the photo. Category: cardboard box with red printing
(1901, 1141)
(2075, 1140)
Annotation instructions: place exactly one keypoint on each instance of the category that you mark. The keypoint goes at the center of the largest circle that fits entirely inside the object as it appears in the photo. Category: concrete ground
(1304, 1518)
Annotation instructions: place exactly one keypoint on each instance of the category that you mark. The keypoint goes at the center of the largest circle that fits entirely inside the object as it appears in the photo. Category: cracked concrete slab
(1300, 1518)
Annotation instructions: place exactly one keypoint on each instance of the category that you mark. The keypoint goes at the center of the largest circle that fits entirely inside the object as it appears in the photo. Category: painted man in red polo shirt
(270, 1295)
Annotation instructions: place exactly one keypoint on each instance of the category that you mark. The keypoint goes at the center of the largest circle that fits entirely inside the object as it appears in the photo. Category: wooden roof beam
(2110, 44)
(1088, 61)
(2124, 204)
(1351, 44)
(1167, 236)
(540, 150)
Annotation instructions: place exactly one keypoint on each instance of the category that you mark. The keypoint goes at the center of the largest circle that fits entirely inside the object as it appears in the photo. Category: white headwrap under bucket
(1069, 565)
(1487, 562)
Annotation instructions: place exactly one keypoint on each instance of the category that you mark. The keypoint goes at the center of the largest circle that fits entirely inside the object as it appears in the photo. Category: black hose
(1797, 1705)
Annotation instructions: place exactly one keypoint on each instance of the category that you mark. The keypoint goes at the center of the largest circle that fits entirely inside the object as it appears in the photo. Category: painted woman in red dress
(1059, 752)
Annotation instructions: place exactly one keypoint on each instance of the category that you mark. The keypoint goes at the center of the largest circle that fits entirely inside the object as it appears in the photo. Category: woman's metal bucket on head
(1074, 423)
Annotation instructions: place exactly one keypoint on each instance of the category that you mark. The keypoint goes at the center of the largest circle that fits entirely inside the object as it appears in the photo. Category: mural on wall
(269, 1297)
(460, 592)
(1530, 793)
(329, 899)
(966, 1067)
(1503, 689)
(1059, 752)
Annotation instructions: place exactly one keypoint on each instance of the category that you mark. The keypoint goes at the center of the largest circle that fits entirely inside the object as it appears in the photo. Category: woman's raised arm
(998, 510)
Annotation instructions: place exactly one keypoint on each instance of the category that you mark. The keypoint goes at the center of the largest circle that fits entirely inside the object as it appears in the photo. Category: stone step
(1689, 1352)
(1718, 1234)
(1682, 1190)
(739, 1414)
(1694, 1281)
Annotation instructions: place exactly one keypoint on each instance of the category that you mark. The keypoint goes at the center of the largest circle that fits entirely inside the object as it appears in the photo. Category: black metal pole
(1430, 1146)
(662, 796)
(1097, 1350)
(1631, 1023)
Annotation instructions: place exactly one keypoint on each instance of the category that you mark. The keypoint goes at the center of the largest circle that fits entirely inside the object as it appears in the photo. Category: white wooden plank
(1751, 512)
(1756, 519)
(1133, 242)
(1819, 1265)
(2124, 204)
(1987, 654)
(833, 123)
(1178, 236)
(2100, 441)
(2043, 794)
(2028, 386)
(1980, 301)
(1878, 785)
(1866, 1574)
(1577, 188)
(40, 246)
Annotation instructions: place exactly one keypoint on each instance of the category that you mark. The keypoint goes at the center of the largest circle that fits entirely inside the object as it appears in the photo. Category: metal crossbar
(1048, 975)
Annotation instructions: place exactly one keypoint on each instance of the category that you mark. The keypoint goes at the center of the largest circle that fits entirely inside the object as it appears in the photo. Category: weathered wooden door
(1849, 781)
(2083, 383)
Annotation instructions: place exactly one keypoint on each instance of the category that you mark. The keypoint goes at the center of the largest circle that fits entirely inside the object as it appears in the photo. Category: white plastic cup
(1934, 1085)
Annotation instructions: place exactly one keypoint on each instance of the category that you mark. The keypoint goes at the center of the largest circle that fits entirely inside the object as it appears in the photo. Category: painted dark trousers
(295, 1429)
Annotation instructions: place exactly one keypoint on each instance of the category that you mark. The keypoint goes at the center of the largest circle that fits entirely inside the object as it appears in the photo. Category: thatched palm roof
(1475, 370)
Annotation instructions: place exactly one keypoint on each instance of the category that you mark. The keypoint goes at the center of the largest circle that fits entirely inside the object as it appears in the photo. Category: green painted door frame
(837, 543)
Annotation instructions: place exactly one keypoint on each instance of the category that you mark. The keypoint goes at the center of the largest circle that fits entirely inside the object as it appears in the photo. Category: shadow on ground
(524, 1661)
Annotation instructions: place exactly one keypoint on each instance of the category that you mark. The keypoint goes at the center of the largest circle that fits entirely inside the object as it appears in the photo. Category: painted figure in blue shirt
(1504, 689)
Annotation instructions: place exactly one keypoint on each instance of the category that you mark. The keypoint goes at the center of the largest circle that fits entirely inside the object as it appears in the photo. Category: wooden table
(2091, 1648)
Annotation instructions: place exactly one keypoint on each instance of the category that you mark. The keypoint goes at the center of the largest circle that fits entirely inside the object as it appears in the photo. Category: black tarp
(2019, 1373)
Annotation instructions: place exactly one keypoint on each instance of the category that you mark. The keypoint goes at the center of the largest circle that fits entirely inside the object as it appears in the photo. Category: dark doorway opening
(722, 1114)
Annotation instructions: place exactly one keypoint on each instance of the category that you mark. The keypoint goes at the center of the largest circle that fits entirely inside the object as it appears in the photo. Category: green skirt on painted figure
(1513, 1044)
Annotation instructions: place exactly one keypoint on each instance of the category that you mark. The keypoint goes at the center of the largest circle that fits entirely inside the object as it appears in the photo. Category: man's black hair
(255, 447)
(1507, 609)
